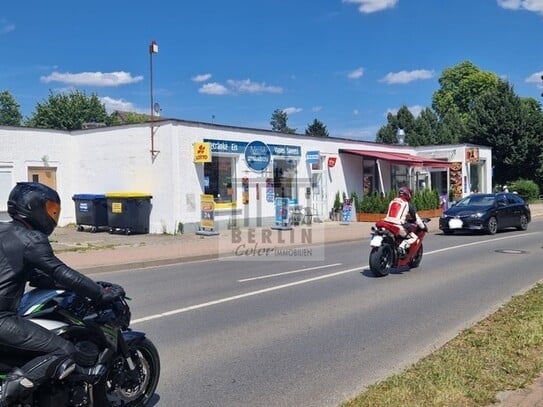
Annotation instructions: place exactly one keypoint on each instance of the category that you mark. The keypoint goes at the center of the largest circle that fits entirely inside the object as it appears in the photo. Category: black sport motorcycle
(129, 362)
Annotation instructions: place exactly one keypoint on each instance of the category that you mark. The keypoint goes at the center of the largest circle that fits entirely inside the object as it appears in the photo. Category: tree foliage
(279, 121)
(68, 111)
(10, 112)
(317, 129)
(460, 86)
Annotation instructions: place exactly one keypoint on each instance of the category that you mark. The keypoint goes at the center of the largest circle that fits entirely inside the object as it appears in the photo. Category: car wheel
(523, 222)
(492, 226)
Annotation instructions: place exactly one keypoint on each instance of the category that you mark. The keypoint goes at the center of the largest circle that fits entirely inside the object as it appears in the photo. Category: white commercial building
(248, 169)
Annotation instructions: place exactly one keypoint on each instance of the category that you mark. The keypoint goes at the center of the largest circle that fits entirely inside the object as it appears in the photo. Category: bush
(528, 190)
(376, 203)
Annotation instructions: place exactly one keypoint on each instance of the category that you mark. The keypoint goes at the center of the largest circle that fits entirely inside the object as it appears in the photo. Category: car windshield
(477, 200)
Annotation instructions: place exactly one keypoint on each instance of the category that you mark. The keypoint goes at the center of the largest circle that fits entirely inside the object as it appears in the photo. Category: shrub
(527, 189)
(375, 203)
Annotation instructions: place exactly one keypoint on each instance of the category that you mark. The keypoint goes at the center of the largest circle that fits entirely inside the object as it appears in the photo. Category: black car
(486, 212)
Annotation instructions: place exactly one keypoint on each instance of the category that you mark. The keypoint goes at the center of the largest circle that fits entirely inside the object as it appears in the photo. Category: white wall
(118, 159)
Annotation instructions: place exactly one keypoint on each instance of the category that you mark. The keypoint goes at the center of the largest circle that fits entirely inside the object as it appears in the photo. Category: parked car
(486, 212)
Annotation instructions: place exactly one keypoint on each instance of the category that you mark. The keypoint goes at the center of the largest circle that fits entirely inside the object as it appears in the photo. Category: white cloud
(407, 76)
(316, 109)
(92, 78)
(247, 86)
(213, 88)
(371, 6)
(415, 110)
(202, 77)
(292, 110)
(6, 27)
(119, 104)
(356, 112)
(238, 86)
(535, 6)
(357, 73)
(535, 78)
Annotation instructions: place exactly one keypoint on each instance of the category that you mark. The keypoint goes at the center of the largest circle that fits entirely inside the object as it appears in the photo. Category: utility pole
(153, 49)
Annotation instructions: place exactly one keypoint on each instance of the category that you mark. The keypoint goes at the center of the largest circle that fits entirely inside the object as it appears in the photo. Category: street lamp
(153, 49)
(400, 134)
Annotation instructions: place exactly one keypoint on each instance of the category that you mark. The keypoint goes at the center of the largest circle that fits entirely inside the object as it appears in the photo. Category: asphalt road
(316, 333)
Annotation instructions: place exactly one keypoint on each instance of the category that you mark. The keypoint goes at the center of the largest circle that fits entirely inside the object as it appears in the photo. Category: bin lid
(88, 196)
(128, 195)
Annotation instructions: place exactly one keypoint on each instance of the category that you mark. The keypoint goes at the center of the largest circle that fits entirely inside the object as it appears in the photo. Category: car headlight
(477, 215)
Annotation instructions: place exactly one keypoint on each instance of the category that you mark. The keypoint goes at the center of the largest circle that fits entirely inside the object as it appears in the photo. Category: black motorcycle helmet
(36, 204)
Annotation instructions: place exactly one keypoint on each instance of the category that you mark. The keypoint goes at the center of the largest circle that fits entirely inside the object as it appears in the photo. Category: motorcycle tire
(108, 395)
(415, 261)
(381, 259)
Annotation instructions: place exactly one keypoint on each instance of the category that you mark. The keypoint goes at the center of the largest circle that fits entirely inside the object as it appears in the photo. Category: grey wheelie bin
(128, 212)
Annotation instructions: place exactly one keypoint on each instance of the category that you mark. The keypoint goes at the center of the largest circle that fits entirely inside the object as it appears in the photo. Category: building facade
(241, 171)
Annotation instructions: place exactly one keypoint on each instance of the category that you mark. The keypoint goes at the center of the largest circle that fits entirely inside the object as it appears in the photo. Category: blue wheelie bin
(90, 211)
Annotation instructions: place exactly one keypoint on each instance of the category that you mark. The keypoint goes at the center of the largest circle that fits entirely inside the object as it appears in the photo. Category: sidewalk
(101, 252)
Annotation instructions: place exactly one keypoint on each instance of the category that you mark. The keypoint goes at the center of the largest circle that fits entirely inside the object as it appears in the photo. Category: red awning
(400, 158)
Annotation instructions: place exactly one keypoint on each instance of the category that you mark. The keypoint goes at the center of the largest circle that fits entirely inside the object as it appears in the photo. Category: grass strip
(502, 352)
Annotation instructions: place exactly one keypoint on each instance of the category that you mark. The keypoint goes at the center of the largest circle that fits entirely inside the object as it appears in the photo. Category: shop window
(400, 176)
(219, 179)
(285, 180)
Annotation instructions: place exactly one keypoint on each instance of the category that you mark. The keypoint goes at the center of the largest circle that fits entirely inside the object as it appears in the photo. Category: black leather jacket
(22, 250)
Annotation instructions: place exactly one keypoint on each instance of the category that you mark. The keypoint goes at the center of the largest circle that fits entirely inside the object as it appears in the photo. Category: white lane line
(288, 272)
(249, 294)
(479, 242)
(295, 283)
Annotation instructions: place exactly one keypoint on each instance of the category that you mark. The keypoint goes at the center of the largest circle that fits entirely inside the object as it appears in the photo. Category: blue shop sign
(238, 147)
(257, 156)
(312, 157)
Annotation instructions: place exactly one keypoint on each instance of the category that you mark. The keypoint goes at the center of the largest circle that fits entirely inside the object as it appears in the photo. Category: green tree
(460, 86)
(512, 127)
(10, 113)
(404, 119)
(279, 122)
(68, 111)
(117, 118)
(317, 129)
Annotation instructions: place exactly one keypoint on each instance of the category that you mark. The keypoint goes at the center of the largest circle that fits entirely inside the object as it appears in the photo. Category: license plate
(376, 241)
(455, 224)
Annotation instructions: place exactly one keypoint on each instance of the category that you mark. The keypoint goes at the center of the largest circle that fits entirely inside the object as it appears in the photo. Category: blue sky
(344, 62)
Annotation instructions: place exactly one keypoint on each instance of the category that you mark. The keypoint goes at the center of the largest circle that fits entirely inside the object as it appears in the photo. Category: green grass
(502, 352)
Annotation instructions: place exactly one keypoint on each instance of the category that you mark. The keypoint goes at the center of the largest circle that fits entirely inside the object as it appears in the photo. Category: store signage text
(238, 147)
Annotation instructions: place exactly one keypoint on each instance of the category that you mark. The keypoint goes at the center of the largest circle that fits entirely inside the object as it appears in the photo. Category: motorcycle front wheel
(381, 259)
(117, 390)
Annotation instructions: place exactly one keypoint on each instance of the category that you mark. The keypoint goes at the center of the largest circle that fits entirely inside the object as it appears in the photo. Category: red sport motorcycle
(385, 240)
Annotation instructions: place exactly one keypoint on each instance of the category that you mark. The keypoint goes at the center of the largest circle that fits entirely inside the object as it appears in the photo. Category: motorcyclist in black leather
(24, 247)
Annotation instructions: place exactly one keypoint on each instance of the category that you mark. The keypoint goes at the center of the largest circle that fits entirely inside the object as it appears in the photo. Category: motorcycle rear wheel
(381, 259)
(415, 261)
(108, 394)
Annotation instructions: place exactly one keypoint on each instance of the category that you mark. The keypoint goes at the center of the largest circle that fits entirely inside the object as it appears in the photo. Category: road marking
(295, 283)
(479, 242)
(288, 272)
(249, 294)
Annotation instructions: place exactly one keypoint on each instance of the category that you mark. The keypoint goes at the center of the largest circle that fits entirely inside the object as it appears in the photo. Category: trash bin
(128, 212)
(90, 211)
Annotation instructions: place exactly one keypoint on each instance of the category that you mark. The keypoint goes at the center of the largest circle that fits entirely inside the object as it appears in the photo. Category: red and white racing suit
(399, 212)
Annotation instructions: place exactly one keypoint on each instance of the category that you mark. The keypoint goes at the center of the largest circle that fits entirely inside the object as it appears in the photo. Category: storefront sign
(472, 155)
(312, 157)
(238, 147)
(207, 212)
(331, 162)
(257, 156)
(202, 152)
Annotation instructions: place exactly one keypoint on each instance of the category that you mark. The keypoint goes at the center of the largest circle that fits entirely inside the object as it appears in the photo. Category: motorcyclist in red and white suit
(401, 211)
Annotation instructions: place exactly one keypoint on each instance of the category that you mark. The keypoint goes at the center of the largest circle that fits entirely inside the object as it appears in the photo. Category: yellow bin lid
(128, 195)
